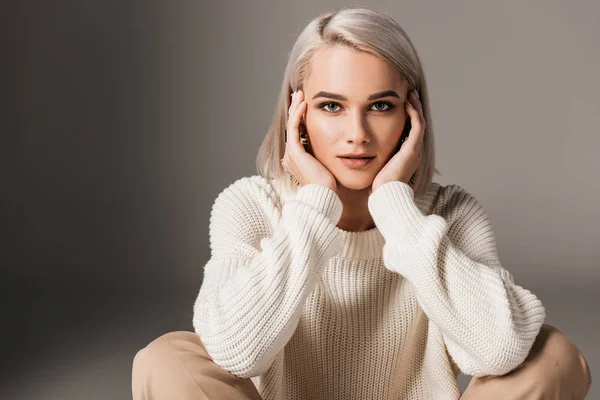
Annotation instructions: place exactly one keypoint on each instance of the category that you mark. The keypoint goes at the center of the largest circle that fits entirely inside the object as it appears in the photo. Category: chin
(356, 183)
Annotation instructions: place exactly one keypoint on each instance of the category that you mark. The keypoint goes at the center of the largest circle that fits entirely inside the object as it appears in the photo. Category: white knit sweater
(310, 311)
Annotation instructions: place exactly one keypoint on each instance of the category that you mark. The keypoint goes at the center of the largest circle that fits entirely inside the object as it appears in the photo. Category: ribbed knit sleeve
(260, 272)
(488, 322)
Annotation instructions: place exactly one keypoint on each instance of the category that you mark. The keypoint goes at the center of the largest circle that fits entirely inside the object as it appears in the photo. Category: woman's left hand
(405, 162)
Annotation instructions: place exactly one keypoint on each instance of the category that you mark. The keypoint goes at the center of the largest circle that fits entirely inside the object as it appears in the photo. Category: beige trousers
(176, 366)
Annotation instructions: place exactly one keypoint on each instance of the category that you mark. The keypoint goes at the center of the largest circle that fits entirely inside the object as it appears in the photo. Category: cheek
(318, 124)
(391, 131)
(389, 142)
(321, 132)
(321, 144)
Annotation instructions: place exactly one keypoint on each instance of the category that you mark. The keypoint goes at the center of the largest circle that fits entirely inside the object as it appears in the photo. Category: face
(343, 117)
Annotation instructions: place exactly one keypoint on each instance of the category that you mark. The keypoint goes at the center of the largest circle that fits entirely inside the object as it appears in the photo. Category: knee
(159, 352)
(557, 344)
(158, 369)
(563, 354)
(164, 343)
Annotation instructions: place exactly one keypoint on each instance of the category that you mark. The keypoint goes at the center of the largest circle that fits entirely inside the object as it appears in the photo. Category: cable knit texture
(307, 310)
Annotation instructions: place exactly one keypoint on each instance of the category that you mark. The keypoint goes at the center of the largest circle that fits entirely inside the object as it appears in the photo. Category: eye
(381, 106)
(384, 103)
(324, 106)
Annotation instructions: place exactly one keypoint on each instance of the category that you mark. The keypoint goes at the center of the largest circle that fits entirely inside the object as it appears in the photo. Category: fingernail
(416, 93)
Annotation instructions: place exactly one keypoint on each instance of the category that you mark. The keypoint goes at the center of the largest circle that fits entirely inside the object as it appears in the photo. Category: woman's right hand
(296, 161)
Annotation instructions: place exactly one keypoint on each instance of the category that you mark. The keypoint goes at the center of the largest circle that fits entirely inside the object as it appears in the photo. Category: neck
(355, 214)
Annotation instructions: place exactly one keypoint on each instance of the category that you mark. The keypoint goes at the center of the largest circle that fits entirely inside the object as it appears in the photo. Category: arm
(258, 277)
(488, 322)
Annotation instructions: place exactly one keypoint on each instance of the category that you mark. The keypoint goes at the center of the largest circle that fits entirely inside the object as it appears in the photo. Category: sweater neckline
(361, 245)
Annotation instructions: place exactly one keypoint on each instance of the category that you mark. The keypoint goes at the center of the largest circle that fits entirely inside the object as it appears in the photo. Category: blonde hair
(360, 29)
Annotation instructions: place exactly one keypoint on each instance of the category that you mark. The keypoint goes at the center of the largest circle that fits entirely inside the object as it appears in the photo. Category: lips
(356, 162)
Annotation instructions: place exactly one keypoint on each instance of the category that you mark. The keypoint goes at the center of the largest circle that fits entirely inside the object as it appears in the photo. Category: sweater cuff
(394, 211)
(321, 198)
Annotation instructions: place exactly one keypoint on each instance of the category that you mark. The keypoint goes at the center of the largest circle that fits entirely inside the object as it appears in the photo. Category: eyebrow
(378, 95)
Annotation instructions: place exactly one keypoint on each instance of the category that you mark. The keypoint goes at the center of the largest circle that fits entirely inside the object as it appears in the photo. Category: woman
(333, 277)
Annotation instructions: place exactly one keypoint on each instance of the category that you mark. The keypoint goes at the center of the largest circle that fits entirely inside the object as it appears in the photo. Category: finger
(288, 131)
(415, 136)
(300, 100)
(293, 131)
(291, 109)
(416, 103)
(295, 102)
(292, 98)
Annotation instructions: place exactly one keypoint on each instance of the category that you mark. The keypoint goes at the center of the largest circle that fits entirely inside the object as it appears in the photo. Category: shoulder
(469, 225)
(249, 196)
(457, 205)
(254, 188)
(447, 200)
(243, 213)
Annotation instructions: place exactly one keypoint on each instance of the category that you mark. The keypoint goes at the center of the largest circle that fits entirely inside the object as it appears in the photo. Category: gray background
(123, 120)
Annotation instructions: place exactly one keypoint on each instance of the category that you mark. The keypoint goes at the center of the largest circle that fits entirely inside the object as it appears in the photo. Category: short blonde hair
(361, 29)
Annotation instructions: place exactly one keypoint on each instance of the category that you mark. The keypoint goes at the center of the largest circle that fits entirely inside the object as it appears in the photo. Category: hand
(405, 162)
(296, 161)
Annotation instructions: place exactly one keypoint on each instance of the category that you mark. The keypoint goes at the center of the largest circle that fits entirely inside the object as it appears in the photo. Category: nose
(357, 131)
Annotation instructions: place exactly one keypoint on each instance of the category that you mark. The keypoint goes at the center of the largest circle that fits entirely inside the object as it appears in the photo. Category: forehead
(351, 72)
